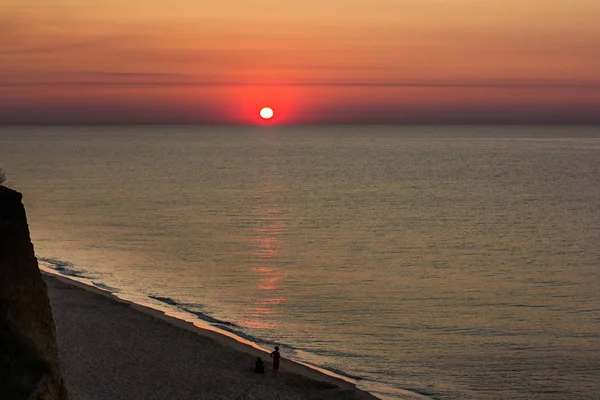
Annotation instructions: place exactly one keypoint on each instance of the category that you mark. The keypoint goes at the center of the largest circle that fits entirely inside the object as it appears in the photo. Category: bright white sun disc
(266, 113)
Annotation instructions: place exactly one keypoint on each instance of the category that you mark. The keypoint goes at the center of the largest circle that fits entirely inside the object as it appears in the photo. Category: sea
(424, 262)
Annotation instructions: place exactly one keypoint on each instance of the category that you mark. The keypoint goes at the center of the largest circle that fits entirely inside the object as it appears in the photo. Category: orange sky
(315, 61)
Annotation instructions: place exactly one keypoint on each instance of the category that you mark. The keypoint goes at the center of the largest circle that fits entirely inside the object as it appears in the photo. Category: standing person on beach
(276, 357)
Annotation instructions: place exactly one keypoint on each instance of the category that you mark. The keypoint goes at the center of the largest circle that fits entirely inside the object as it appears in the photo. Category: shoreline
(311, 375)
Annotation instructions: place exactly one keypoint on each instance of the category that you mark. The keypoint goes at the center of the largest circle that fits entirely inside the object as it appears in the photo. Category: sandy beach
(113, 349)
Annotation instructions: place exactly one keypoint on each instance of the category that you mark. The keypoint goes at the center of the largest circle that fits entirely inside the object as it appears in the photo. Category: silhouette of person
(259, 367)
(276, 358)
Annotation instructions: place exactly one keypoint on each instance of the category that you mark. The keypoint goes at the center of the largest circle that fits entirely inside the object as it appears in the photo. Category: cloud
(137, 79)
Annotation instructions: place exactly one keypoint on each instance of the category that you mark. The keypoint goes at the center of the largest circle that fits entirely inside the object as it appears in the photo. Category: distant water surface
(459, 263)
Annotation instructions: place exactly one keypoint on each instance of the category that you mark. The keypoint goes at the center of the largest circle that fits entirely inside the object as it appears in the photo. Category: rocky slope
(29, 367)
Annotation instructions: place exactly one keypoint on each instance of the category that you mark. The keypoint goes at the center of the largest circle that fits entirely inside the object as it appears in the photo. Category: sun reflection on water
(266, 236)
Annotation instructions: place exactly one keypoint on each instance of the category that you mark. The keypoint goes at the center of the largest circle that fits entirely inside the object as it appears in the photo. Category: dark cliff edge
(29, 366)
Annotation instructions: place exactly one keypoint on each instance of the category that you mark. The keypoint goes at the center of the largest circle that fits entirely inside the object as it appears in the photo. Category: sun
(266, 113)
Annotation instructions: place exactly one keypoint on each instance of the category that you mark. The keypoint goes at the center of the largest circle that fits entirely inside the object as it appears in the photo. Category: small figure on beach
(276, 357)
(259, 367)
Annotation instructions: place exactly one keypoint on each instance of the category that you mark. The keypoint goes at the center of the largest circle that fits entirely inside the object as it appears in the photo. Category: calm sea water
(459, 263)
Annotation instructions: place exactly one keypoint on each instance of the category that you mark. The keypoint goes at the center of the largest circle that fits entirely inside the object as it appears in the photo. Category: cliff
(29, 367)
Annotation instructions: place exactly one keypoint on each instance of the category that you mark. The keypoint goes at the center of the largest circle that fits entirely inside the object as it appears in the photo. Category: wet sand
(114, 349)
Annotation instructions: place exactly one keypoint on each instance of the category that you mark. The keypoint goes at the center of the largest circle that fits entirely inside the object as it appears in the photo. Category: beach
(114, 349)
